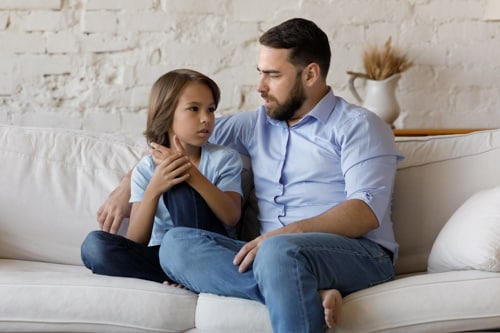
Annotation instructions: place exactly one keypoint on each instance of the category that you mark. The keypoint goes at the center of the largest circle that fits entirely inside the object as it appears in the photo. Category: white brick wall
(90, 64)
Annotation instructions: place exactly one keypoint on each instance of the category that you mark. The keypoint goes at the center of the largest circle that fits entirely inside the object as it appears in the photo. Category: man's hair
(305, 41)
(164, 98)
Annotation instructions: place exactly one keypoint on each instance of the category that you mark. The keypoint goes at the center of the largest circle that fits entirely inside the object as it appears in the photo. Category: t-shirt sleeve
(229, 177)
(141, 175)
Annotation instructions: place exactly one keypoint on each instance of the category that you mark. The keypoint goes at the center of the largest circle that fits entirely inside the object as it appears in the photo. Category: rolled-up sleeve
(369, 159)
(372, 181)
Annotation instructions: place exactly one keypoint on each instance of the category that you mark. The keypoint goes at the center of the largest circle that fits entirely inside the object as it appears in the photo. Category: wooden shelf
(434, 131)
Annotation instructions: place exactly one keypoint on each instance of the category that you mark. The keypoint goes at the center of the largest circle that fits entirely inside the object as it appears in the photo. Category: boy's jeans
(115, 255)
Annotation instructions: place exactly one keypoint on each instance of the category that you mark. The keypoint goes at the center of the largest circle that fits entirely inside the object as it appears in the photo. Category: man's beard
(287, 110)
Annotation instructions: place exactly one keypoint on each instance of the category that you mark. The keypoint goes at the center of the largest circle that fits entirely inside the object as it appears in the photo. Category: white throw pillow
(471, 237)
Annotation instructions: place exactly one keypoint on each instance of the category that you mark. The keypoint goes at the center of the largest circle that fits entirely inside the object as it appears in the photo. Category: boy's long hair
(304, 40)
(164, 98)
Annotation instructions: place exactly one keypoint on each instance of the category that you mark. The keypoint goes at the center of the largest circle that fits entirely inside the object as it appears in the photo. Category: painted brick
(140, 96)
(147, 21)
(30, 4)
(245, 11)
(459, 32)
(4, 19)
(147, 75)
(4, 115)
(119, 4)
(42, 118)
(18, 42)
(37, 21)
(102, 43)
(6, 84)
(33, 65)
(80, 59)
(101, 121)
(104, 21)
(63, 42)
(448, 10)
(196, 6)
(134, 123)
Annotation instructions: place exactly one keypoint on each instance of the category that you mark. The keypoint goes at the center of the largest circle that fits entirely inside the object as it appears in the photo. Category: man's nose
(261, 85)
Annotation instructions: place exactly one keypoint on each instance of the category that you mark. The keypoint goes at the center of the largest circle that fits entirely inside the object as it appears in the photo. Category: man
(323, 172)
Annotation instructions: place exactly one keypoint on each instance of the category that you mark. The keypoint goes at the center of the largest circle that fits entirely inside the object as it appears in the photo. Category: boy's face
(194, 117)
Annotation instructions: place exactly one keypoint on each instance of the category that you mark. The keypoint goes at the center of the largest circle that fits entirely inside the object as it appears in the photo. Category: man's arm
(363, 210)
(116, 207)
(351, 218)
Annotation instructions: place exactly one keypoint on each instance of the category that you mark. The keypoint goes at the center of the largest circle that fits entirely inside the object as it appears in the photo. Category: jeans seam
(301, 291)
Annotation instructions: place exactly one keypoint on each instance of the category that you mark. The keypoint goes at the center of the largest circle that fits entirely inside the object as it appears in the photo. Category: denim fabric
(115, 255)
(286, 274)
(187, 208)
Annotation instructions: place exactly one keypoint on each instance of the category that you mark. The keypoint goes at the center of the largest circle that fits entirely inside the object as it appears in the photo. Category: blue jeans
(115, 255)
(286, 275)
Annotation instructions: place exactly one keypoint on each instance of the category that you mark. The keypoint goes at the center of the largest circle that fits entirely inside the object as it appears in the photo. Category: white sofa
(53, 180)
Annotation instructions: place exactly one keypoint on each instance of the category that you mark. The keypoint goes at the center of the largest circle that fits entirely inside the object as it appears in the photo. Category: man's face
(279, 85)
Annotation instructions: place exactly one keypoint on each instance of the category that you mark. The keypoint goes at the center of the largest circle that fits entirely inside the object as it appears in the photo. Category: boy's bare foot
(332, 303)
(177, 285)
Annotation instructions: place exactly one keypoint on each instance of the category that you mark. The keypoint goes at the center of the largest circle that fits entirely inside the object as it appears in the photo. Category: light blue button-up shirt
(338, 151)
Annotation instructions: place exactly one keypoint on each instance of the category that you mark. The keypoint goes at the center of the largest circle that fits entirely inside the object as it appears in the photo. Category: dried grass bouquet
(383, 63)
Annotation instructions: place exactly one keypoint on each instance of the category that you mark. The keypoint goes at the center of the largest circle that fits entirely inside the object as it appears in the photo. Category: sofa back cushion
(437, 175)
(52, 182)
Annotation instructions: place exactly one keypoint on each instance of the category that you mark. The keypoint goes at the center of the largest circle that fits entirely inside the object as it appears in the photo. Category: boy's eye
(193, 108)
(212, 109)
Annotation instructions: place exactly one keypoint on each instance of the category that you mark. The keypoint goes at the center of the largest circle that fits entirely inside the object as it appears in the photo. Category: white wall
(89, 64)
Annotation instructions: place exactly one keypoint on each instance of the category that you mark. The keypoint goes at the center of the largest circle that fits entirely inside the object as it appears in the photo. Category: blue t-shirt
(220, 165)
(338, 151)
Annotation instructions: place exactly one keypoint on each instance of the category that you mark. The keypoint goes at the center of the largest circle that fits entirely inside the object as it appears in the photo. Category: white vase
(380, 97)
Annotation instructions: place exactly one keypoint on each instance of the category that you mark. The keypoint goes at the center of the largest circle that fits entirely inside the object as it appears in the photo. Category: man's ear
(311, 73)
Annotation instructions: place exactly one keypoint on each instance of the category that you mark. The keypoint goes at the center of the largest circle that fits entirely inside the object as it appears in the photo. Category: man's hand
(245, 257)
(116, 207)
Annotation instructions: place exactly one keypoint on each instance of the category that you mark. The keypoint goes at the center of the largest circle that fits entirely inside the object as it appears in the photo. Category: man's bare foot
(332, 303)
(177, 285)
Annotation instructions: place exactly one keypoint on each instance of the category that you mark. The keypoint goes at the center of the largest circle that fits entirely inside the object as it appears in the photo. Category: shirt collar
(324, 108)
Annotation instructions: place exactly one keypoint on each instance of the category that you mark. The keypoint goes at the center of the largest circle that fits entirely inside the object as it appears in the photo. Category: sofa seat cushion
(230, 314)
(471, 237)
(440, 302)
(62, 298)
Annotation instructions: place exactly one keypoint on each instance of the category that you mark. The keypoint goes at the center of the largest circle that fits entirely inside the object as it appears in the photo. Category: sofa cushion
(230, 314)
(455, 301)
(471, 237)
(46, 297)
(52, 183)
(437, 175)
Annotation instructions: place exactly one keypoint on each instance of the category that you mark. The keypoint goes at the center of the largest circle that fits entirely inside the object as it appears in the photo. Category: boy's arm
(167, 174)
(225, 205)
(117, 207)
